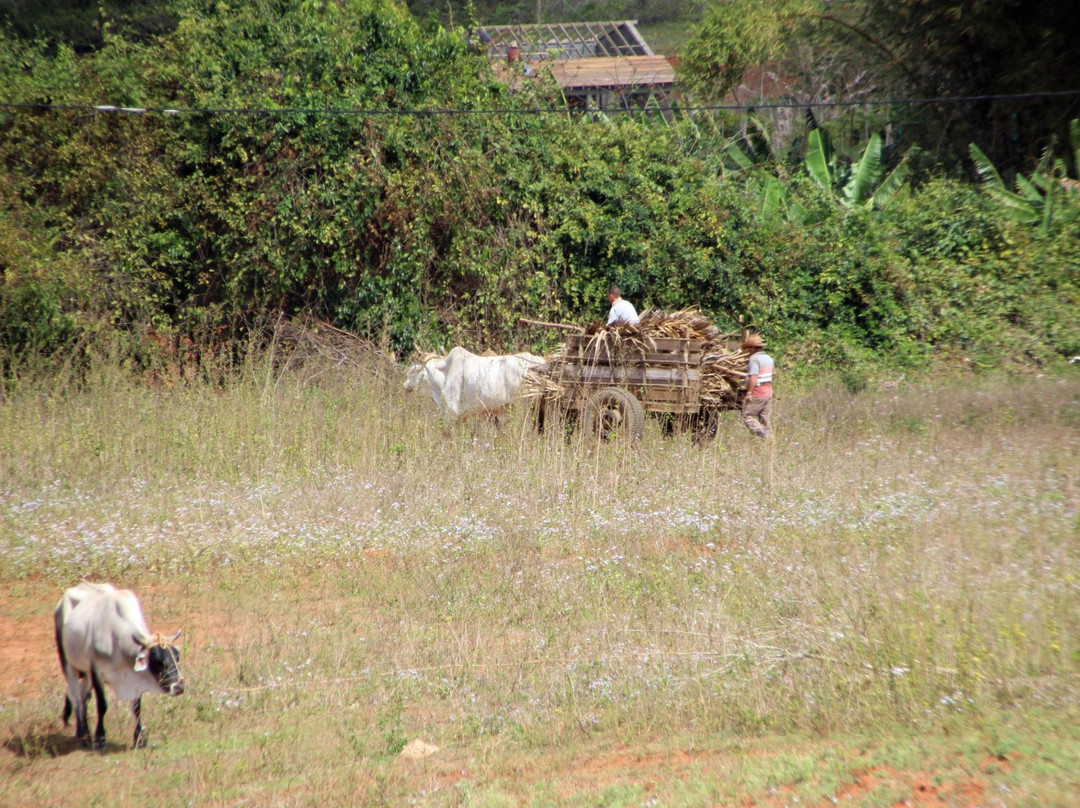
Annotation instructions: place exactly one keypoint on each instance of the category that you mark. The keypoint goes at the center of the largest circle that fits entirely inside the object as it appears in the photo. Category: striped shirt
(761, 365)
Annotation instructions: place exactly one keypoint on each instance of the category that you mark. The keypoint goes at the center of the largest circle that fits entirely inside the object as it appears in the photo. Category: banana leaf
(985, 168)
(797, 213)
(1028, 190)
(739, 157)
(1014, 206)
(1022, 209)
(889, 186)
(819, 159)
(771, 198)
(865, 174)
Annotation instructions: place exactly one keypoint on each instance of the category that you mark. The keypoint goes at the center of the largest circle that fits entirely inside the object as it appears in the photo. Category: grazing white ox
(102, 638)
(462, 382)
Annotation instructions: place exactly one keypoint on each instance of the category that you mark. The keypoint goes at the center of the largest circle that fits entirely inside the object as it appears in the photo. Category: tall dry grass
(353, 573)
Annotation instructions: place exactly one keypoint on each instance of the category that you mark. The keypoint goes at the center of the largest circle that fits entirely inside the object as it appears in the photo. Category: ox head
(158, 654)
(416, 375)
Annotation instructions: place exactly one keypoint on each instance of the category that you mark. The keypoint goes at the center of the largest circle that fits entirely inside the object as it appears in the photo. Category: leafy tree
(735, 36)
(974, 48)
(79, 23)
(970, 49)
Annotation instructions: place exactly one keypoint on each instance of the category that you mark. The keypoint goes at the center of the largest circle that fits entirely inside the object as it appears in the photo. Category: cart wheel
(613, 413)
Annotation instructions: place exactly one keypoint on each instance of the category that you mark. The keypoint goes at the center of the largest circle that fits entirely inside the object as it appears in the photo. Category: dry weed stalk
(305, 342)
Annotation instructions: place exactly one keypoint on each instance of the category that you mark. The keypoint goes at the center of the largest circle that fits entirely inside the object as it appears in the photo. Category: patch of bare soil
(28, 657)
(627, 766)
(650, 771)
(926, 789)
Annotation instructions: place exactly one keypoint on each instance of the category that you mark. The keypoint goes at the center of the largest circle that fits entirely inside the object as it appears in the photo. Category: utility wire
(325, 111)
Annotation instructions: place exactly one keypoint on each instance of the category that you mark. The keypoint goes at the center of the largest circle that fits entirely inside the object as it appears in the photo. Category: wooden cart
(608, 388)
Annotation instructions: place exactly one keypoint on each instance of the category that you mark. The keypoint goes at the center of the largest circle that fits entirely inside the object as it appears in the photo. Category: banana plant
(752, 156)
(861, 184)
(1036, 199)
(777, 199)
(858, 185)
(751, 149)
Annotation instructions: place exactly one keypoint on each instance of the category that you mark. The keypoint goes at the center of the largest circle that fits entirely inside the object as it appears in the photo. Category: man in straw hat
(757, 404)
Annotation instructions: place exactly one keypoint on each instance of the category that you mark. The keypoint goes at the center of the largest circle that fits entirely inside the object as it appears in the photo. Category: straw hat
(753, 341)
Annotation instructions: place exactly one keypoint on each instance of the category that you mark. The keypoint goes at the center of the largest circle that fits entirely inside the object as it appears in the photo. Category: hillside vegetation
(439, 228)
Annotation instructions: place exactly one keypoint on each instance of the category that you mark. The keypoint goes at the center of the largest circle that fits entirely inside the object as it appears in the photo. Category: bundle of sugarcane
(657, 323)
(631, 340)
(543, 382)
(684, 324)
(722, 378)
(722, 369)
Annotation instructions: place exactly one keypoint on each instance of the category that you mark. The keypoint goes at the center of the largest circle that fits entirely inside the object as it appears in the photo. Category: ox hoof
(99, 744)
(84, 741)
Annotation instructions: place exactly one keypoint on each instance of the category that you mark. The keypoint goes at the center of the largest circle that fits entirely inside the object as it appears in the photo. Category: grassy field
(879, 608)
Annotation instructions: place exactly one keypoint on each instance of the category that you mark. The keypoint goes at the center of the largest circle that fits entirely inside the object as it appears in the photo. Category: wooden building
(598, 65)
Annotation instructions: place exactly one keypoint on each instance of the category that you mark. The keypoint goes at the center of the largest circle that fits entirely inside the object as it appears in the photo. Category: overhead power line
(442, 111)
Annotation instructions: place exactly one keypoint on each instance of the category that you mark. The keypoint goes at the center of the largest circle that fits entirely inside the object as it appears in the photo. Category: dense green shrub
(445, 228)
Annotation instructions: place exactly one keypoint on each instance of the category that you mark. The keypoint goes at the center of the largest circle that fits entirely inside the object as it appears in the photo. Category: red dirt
(647, 770)
(28, 657)
(924, 794)
(628, 766)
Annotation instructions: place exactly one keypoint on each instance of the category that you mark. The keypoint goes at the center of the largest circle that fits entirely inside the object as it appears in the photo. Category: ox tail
(63, 667)
(60, 645)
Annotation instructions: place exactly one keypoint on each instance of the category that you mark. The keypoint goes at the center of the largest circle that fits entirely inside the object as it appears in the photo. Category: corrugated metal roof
(570, 40)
